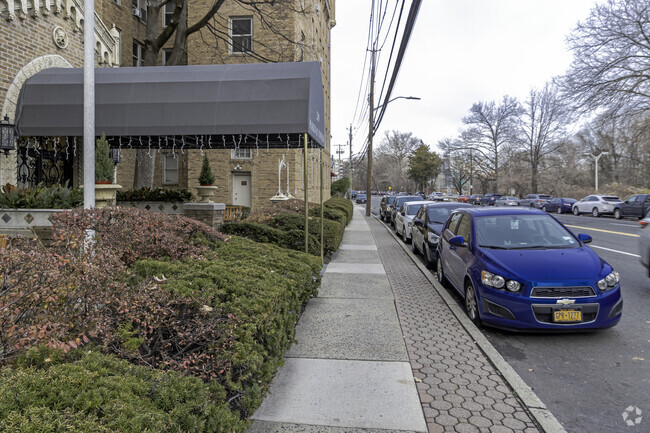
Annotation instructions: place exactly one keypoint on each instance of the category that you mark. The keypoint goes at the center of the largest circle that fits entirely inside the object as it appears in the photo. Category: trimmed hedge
(90, 392)
(332, 231)
(342, 204)
(330, 213)
(340, 187)
(291, 239)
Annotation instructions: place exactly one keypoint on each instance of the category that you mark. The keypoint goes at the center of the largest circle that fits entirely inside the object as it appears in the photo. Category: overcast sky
(461, 52)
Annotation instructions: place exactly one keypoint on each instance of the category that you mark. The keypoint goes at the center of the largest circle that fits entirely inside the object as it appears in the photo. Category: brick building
(296, 31)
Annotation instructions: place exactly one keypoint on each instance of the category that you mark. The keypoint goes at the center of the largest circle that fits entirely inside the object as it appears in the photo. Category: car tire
(405, 237)
(595, 213)
(576, 211)
(440, 273)
(428, 257)
(414, 247)
(471, 304)
(559, 210)
(617, 214)
(544, 208)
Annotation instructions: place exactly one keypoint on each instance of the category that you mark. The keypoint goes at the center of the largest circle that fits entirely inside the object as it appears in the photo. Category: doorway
(241, 189)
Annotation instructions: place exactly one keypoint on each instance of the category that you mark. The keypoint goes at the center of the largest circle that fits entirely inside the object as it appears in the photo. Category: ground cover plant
(158, 291)
(155, 194)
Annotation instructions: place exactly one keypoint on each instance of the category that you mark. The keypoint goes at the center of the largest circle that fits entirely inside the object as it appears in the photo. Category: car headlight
(609, 281)
(498, 282)
(433, 238)
(409, 225)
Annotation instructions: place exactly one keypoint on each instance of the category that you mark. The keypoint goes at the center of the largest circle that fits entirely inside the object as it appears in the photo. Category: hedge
(331, 213)
(90, 392)
(340, 187)
(291, 239)
(332, 231)
(342, 204)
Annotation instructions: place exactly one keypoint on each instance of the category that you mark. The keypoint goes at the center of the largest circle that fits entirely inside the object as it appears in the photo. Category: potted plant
(105, 189)
(206, 179)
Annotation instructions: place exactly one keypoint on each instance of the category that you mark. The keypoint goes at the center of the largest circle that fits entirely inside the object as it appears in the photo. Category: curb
(534, 405)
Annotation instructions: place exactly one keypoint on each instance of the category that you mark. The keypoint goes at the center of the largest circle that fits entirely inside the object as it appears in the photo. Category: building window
(168, 12)
(166, 55)
(138, 53)
(170, 169)
(241, 34)
(241, 154)
(140, 9)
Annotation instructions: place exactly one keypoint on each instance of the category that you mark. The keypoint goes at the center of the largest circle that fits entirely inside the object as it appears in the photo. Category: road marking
(604, 231)
(614, 251)
(619, 224)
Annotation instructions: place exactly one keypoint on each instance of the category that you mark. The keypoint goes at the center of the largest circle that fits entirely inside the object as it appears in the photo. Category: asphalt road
(588, 380)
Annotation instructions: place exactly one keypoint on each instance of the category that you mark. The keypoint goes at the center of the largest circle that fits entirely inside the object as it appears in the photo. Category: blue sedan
(520, 268)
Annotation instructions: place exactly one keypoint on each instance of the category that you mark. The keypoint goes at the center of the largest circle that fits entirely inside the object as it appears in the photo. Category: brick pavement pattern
(459, 389)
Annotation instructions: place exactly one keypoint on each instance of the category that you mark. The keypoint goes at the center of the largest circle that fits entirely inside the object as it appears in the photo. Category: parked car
(506, 201)
(422, 194)
(636, 206)
(397, 204)
(384, 207)
(596, 205)
(535, 200)
(489, 199)
(521, 268)
(475, 199)
(361, 198)
(644, 242)
(353, 194)
(559, 205)
(463, 198)
(427, 226)
(438, 196)
(404, 218)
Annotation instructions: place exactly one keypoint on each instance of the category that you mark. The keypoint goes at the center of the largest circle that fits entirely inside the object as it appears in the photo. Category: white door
(241, 189)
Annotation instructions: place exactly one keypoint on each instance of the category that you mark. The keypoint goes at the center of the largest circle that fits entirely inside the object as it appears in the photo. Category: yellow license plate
(567, 316)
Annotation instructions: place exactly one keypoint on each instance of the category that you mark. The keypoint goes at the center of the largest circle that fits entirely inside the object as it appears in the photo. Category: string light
(149, 147)
(74, 147)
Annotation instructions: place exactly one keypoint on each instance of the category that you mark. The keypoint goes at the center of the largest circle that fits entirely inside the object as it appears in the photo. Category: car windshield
(522, 232)
(438, 215)
(391, 200)
(611, 198)
(570, 200)
(412, 209)
(401, 200)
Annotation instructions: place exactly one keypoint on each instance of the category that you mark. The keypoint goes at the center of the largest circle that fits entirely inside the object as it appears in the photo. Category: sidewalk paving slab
(355, 268)
(339, 285)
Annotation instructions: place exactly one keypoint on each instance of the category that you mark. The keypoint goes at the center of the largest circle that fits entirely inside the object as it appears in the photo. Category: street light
(596, 158)
(398, 97)
(7, 135)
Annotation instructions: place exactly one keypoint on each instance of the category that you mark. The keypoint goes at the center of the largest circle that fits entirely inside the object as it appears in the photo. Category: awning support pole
(306, 186)
(89, 104)
(322, 212)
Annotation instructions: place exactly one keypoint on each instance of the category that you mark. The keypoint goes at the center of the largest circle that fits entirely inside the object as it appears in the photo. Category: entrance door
(241, 189)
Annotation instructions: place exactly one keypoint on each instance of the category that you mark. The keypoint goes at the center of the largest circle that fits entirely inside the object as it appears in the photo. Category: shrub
(340, 187)
(332, 231)
(40, 197)
(104, 165)
(292, 239)
(342, 204)
(206, 177)
(266, 213)
(331, 213)
(85, 391)
(155, 194)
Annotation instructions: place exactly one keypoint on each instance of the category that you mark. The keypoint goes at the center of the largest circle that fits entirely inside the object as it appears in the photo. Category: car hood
(567, 264)
(434, 227)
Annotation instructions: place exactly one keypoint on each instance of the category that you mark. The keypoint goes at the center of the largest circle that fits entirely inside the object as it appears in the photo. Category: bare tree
(396, 147)
(542, 127)
(490, 128)
(611, 58)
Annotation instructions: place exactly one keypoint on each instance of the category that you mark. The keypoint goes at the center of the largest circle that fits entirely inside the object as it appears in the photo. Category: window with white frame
(140, 9)
(170, 169)
(166, 55)
(168, 12)
(138, 53)
(241, 154)
(241, 34)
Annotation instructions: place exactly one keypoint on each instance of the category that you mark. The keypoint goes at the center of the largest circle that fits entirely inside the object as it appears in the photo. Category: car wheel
(544, 208)
(429, 257)
(595, 213)
(414, 246)
(471, 304)
(559, 210)
(405, 237)
(617, 214)
(576, 212)
(440, 273)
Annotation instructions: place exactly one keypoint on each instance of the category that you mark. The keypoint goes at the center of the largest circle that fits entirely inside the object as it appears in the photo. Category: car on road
(427, 226)
(636, 206)
(463, 198)
(507, 201)
(438, 196)
(475, 199)
(361, 198)
(644, 242)
(384, 207)
(559, 205)
(397, 204)
(535, 200)
(520, 268)
(404, 218)
(596, 205)
(489, 199)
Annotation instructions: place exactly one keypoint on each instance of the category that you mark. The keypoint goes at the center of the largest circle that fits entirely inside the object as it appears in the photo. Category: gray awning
(203, 100)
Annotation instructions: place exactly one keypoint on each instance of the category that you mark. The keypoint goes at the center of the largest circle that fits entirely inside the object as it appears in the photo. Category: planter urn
(206, 192)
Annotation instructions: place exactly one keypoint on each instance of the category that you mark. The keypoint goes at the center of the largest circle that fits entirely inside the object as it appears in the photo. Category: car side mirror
(457, 241)
(403, 213)
(418, 222)
(585, 239)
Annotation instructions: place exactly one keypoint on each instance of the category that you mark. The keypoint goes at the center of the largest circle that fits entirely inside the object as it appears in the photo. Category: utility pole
(351, 168)
(371, 131)
(339, 168)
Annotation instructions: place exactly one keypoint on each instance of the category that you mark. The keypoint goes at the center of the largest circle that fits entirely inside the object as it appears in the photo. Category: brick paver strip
(459, 389)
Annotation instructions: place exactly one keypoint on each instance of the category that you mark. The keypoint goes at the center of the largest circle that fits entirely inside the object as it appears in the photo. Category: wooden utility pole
(371, 131)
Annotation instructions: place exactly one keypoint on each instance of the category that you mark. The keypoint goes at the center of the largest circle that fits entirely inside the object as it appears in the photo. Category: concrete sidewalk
(380, 351)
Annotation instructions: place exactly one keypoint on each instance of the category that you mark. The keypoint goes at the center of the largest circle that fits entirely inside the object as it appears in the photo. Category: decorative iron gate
(44, 160)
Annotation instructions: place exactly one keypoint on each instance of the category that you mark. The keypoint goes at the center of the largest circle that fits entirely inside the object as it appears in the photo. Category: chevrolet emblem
(566, 301)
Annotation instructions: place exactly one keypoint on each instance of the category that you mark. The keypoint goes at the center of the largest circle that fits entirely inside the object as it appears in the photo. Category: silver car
(404, 218)
(644, 242)
(596, 205)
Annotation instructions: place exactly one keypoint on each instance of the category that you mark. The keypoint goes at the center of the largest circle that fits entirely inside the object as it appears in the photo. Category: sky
(460, 52)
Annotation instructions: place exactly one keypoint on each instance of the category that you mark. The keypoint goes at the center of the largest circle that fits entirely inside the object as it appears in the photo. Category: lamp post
(596, 158)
